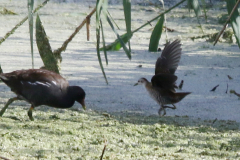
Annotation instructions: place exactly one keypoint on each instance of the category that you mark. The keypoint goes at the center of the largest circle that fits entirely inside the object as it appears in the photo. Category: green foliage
(156, 35)
(235, 19)
(44, 48)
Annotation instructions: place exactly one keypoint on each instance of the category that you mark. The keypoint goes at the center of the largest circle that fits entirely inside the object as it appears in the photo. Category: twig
(4, 158)
(227, 89)
(169, 29)
(225, 25)
(21, 22)
(229, 77)
(214, 121)
(181, 84)
(103, 151)
(88, 27)
(234, 92)
(64, 46)
(214, 88)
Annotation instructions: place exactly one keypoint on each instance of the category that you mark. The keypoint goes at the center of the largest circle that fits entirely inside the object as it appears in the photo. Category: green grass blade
(30, 20)
(128, 53)
(127, 14)
(44, 48)
(156, 35)
(104, 44)
(98, 26)
(235, 19)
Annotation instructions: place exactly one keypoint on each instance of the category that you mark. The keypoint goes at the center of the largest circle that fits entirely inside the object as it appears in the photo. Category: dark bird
(42, 87)
(162, 85)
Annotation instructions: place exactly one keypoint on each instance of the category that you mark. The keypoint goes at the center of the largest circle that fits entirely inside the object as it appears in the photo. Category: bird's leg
(160, 110)
(11, 100)
(30, 113)
(174, 107)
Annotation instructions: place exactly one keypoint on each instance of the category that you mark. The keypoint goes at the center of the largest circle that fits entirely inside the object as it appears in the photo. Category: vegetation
(69, 134)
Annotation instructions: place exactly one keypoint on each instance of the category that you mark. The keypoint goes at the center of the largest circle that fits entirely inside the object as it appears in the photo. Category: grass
(71, 134)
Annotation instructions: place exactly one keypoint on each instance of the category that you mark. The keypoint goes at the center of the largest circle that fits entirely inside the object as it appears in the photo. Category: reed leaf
(235, 18)
(128, 53)
(116, 45)
(30, 20)
(103, 41)
(44, 48)
(1, 71)
(98, 28)
(193, 4)
(156, 35)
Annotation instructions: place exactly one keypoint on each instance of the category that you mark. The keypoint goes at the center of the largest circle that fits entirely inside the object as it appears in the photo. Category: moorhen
(162, 85)
(42, 87)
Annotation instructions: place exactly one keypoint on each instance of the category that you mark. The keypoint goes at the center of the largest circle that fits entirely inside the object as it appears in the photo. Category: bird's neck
(148, 85)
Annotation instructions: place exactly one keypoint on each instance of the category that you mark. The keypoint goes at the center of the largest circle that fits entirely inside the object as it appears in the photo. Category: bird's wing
(18, 79)
(169, 59)
(43, 77)
(164, 81)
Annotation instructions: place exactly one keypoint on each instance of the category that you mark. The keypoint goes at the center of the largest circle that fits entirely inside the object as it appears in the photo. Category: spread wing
(164, 81)
(168, 61)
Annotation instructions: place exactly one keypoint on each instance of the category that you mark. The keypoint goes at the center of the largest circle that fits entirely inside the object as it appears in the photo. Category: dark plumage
(162, 85)
(42, 87)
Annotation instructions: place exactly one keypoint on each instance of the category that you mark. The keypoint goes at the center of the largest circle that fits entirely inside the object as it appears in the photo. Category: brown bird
(162, 85)
(42, 87)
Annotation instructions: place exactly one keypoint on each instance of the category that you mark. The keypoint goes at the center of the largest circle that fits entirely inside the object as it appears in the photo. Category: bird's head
(79, 95)
(142, 81)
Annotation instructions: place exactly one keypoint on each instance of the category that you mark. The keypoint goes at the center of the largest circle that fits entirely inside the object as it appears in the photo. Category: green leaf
(30, 20)
(235, 19)
(128, 53)
(116, 45)
(156, 35)
(44, 48)
(127, 14)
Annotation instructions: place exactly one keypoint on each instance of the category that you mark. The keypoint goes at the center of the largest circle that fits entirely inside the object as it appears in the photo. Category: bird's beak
(135, 84)
(83, 104)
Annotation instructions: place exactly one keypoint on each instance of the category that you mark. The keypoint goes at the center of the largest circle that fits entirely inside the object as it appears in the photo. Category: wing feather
(169, 59)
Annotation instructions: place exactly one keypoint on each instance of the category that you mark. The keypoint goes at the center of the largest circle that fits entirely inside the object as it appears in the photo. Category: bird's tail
(181, 95)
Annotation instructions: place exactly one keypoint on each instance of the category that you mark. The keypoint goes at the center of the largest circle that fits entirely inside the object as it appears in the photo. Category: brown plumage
(42, 87)
(162, 85)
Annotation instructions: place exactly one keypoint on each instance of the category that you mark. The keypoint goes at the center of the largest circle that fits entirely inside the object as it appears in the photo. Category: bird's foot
(30, 113)
(174, 107)
(11, 100)
(160, 110)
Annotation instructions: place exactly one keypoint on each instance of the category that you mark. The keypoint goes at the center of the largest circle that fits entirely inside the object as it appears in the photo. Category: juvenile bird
(42, 87)
(162, 85)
